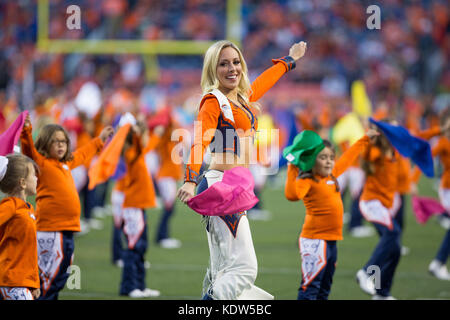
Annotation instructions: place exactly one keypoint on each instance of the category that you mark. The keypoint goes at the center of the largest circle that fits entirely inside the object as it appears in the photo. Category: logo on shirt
(330, 182)
(65, 166)
(32, 216)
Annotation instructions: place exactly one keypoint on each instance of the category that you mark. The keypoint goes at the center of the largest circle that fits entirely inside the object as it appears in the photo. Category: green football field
(178, 273)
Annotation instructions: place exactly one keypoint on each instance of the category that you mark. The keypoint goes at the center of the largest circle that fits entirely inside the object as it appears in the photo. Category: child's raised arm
(90, 149)
(352, 153)
(27, 144)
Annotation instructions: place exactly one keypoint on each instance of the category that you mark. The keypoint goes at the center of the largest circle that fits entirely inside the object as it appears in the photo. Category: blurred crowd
(404, 65)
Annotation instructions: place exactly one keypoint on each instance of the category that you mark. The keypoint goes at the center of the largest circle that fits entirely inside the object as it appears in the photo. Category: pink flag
(10, 137)
(231, 195)
(425, 207)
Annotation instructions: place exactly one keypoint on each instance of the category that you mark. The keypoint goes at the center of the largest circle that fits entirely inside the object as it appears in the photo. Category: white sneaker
(119, 263)
(347, 217)
(378, 297)
(150, 293)
(444, 222)
(98, 212)
(136, 293)
(84, 226)
(95, 224)
(405, 251)
(257, 214)
(170, 243)
(362, 232)
(365, 282)
(439, 270)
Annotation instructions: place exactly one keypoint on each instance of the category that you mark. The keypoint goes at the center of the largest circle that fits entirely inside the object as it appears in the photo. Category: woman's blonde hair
(210, 81)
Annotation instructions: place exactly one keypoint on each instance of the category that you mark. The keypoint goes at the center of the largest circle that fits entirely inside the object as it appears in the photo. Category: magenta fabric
(425, 207)
(10, 137)
(231, 195)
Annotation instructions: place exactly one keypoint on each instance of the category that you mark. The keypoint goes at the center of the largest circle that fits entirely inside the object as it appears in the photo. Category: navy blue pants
(92, 198)
(61, 277)
(386, 256)
(133, 272)
(400, 216)
(356, 217)
(117, 248)
(163, 228)
(320, 287)
(444, 250)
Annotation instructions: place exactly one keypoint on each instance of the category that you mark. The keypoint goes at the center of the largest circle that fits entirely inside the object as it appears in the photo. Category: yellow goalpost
(149, 49)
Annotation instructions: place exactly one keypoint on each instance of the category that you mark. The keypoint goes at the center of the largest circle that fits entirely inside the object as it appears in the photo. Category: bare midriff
(222, 161)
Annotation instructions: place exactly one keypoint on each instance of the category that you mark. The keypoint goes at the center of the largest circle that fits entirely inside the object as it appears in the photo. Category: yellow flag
(348, 128)
(360, 101)
(265, 126)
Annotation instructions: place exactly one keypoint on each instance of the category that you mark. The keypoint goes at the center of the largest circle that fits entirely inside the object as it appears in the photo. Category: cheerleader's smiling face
(324, 162)
(229, 69)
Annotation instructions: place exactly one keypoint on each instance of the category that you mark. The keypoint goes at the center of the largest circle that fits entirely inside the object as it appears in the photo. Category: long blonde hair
(210, 81)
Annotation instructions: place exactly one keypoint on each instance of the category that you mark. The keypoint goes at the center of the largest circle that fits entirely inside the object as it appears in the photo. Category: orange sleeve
(268, 78)
(438, 148)
(350, 156)
(204, 130)
(295, 189)
(429, 133)
(86, 152)
(27, 146)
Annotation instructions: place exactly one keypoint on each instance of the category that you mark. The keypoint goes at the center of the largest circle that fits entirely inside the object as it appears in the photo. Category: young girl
(438, 266)
(19, 274)
(57, 201)
(138, 195)
(318, 187)
(379, 204)
(166, 179)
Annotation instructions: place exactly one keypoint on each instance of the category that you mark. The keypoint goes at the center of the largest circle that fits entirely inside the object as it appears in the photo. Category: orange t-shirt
(442, 150)
(137, 186)
(404, 175)
(381, 185)
(210, 113)
(18, 244)
(57, 201)
(323, 203)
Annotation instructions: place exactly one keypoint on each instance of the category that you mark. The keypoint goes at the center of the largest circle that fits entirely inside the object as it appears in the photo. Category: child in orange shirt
(317, 186)
(57, 201)
(166, 180)
(19, 274)
(138, 195)
(379, 204)
(438, 266)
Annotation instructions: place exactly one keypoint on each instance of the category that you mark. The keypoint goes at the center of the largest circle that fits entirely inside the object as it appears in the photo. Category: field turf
(178, 273)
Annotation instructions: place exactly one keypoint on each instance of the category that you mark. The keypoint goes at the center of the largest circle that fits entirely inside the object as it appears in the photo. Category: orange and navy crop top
(221, 131)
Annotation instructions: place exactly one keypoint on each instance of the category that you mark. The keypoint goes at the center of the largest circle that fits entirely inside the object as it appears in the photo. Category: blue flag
(418, 150)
